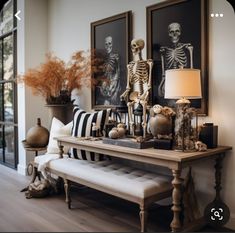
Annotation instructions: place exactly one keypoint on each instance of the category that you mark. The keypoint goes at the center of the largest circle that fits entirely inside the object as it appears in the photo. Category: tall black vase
(63, 112)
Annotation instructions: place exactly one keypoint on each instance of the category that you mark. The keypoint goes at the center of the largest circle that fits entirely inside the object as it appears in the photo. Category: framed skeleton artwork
(110, 41)
(177, 38)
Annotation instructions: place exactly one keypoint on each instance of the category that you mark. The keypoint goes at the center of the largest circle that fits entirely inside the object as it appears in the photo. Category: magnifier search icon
(216, 214)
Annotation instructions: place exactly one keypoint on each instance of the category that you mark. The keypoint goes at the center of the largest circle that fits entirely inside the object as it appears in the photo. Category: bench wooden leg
(67, 194)
(143, 218)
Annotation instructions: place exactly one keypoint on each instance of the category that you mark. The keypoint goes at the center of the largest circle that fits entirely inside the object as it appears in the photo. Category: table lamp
(183, 84)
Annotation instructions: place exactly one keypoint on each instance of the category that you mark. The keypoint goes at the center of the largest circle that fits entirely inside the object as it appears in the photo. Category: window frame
(4, 123)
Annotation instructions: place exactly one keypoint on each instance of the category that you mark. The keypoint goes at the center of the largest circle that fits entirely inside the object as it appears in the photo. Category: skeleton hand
(125, 95)
(144, 96)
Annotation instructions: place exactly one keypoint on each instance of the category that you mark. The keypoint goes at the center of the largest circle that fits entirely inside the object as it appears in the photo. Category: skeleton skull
(157, 108)
(200, 146)
(108, 44)
(174, 32)
(137, 45)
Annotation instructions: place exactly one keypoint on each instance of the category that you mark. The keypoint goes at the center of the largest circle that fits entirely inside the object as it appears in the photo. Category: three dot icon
(217, 15)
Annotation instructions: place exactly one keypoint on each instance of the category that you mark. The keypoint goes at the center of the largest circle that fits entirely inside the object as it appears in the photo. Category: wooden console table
(173, 160)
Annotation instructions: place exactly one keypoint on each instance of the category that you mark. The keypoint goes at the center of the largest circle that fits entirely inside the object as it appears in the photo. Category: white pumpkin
(121, 132)
(113, 133)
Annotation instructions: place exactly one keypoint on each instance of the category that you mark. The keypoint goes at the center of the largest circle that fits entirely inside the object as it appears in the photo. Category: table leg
(176, 199)
(218, 167)
(217, 212)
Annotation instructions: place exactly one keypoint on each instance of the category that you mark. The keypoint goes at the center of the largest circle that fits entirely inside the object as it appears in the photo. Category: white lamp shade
(180, 83)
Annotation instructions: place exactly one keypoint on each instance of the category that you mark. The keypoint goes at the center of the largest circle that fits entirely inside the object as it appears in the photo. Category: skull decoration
(200, 146)
(137, 45)
(108, 44)
(157, 108)
(174, 31)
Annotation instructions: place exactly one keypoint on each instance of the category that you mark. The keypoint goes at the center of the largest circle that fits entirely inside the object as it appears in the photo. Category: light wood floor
(92, 211)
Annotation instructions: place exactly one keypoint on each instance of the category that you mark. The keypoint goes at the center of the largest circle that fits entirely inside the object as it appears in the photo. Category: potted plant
(54, 80)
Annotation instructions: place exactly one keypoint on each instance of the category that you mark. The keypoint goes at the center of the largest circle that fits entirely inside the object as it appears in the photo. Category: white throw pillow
(58, 129)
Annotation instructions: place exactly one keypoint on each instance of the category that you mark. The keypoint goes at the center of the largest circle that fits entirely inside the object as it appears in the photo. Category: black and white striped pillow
(82, 127)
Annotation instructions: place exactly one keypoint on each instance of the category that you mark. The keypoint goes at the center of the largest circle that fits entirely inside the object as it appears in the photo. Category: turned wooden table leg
(218, 167)
(217, 212)
(176, 199)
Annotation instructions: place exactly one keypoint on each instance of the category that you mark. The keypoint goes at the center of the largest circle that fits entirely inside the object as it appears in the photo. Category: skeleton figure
(110, 86)
(175, 56)
(138, 83)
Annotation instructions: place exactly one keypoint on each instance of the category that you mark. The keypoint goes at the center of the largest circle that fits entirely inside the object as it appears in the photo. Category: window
(8, 95)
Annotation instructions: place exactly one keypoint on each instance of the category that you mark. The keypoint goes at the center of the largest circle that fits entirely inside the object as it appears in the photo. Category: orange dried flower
(54, 76)
(78, 72)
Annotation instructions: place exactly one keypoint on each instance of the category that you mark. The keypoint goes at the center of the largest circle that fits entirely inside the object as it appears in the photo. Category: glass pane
(1, 103)
(7, 17)
(9, 145)
(8, 102)
(8, 57)
(1, 143)
(1, 55)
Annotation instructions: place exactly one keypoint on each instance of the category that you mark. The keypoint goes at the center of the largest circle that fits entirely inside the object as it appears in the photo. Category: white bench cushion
(116, 177)
(43, 160)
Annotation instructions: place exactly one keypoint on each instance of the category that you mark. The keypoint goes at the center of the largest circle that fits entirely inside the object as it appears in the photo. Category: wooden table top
(150, 153)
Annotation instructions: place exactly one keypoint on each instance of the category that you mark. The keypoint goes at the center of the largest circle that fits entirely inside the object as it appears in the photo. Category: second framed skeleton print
(177, 38)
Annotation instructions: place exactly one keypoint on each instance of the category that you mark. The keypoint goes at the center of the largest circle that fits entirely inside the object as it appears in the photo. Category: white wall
(221, 102)
(31, 49)
(69, 31)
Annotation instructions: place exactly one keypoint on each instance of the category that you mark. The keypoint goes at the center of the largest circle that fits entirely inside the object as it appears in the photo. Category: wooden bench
(126, 182)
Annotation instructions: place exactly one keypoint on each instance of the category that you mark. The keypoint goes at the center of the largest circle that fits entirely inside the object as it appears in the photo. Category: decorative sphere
(37, 136)
(113, 133)
(121, 132)
(160, 125)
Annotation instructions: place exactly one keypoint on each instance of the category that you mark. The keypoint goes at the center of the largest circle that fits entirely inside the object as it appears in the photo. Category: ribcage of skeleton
(140, 74)
(110, 64)
(175, 58)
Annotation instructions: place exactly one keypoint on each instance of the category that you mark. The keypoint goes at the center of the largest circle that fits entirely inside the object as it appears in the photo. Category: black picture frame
(110, 72)
(192, 17)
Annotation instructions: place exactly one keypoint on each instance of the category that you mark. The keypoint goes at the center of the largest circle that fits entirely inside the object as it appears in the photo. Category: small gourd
(121, 128)
(113, 133)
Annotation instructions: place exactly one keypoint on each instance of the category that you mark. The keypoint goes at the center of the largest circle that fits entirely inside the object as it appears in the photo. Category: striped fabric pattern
(82, 127)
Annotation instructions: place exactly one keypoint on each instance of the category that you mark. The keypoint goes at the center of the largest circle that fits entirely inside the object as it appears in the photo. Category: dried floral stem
(54, 76)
